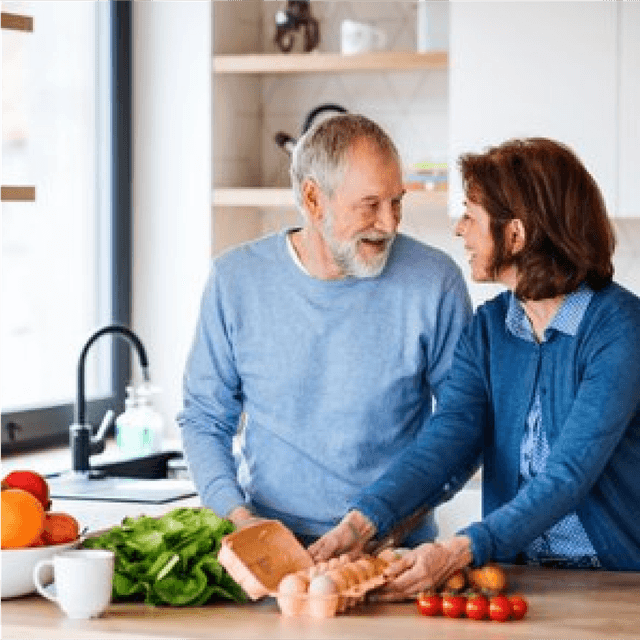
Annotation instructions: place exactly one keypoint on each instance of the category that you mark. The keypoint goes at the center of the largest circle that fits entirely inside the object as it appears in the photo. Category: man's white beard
(345, 253)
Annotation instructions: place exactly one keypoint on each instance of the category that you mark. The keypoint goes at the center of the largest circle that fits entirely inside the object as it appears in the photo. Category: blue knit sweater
(335, 377)
(590, 395)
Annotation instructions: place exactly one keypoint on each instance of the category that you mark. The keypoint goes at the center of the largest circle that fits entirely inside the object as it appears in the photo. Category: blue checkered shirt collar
(567, 319)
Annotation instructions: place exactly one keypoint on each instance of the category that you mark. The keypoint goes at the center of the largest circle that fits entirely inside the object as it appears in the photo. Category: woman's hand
(425, 567)
(350, 535)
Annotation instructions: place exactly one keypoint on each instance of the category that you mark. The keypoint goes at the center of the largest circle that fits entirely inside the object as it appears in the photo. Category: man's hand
(425, 567)
(241, 517)
(350, 535)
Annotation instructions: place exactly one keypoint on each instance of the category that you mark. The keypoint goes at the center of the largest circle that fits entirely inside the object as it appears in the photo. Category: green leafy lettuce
(169, 560)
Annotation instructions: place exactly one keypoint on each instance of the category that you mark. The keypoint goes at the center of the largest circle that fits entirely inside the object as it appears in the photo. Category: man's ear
(516, 236)
(312, 200)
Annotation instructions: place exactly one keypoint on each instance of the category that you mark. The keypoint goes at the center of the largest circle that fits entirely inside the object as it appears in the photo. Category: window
(65, 257)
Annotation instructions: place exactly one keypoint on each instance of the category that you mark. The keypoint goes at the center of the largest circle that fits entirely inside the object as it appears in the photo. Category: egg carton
(330, 587)
(266, 559)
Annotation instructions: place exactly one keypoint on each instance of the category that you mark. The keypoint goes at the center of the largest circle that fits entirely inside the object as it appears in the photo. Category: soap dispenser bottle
(149, 421)
(127, 436)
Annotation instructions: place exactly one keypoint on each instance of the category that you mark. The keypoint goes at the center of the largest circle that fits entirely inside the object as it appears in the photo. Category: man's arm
(212, 407)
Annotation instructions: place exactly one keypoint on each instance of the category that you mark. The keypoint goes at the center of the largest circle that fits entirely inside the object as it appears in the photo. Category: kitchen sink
(154, 478)
(165, 464)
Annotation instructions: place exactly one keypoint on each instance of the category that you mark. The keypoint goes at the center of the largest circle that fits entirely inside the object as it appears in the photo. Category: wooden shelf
(269, 197)
(329, 62)
(18, 194)
(16, 22)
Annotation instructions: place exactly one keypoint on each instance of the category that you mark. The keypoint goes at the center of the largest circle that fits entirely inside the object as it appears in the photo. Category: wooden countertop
(562, 604)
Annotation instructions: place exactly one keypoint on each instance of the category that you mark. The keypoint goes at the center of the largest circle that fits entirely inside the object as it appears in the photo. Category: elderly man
(331, 340)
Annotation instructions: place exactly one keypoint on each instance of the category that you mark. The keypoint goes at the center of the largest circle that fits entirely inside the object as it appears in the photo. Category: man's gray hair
(321, 153)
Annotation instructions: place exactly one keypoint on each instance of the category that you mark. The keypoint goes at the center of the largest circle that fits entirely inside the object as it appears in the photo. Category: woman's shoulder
(488, 322)
(614, 300)
(493, 310)
(613, 315)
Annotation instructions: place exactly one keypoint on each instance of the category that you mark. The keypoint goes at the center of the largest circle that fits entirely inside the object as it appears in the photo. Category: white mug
(82, 581)
(357, 37)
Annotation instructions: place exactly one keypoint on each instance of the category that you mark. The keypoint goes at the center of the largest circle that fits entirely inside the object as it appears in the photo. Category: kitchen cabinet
(561, 70)
(253, 92)
(17, 193)
(562, 604)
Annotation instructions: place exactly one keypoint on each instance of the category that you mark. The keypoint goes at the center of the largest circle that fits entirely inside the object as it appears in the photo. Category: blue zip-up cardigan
(590, 394)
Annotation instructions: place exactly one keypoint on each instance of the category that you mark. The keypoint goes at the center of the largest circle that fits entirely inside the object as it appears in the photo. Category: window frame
(48, 426)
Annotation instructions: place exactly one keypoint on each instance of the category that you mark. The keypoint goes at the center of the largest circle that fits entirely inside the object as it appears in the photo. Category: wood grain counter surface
(562, 604)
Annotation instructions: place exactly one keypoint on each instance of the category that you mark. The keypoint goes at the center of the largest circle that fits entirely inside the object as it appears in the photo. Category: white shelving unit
(242, 211)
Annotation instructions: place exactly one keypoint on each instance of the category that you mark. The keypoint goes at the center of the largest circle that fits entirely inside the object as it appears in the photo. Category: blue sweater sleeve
(445, 454)
(212, 406)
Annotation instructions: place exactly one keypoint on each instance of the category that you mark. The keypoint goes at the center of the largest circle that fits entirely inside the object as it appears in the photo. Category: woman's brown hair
(568, 236)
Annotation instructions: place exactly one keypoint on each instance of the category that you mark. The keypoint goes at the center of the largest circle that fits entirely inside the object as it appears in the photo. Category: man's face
(361, 218)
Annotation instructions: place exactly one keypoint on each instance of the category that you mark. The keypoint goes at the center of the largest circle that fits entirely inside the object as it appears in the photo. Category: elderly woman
(544, 387)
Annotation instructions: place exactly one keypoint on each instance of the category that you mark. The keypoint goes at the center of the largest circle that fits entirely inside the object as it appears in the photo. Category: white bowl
(18, 564)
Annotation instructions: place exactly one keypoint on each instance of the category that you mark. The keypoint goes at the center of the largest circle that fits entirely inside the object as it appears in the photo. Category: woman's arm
(445, 453)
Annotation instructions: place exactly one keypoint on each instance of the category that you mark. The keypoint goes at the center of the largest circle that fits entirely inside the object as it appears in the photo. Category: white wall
(171, 183)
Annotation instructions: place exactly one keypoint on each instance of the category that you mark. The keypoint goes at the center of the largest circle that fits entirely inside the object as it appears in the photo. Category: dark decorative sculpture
(297, 14)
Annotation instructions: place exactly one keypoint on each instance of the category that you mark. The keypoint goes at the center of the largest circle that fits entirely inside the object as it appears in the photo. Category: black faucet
(81, 439)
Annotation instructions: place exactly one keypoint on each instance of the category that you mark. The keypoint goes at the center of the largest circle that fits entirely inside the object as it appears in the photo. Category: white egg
(292, 583)
(292, 594)
(323, 597)
(322, 585)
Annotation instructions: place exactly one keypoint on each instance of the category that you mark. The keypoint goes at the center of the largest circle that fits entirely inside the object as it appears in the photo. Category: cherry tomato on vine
(519, 607)
(429, 604)
(453, 606)
(477, 607)
(499, 608)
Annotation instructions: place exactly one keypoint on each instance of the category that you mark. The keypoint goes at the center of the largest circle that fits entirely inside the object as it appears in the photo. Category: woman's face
(473, 228)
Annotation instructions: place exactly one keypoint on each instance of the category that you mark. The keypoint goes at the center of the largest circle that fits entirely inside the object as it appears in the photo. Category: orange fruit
(489, 578)
(22, 518)
(59, 527)
(38, 542)
(29, 481)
